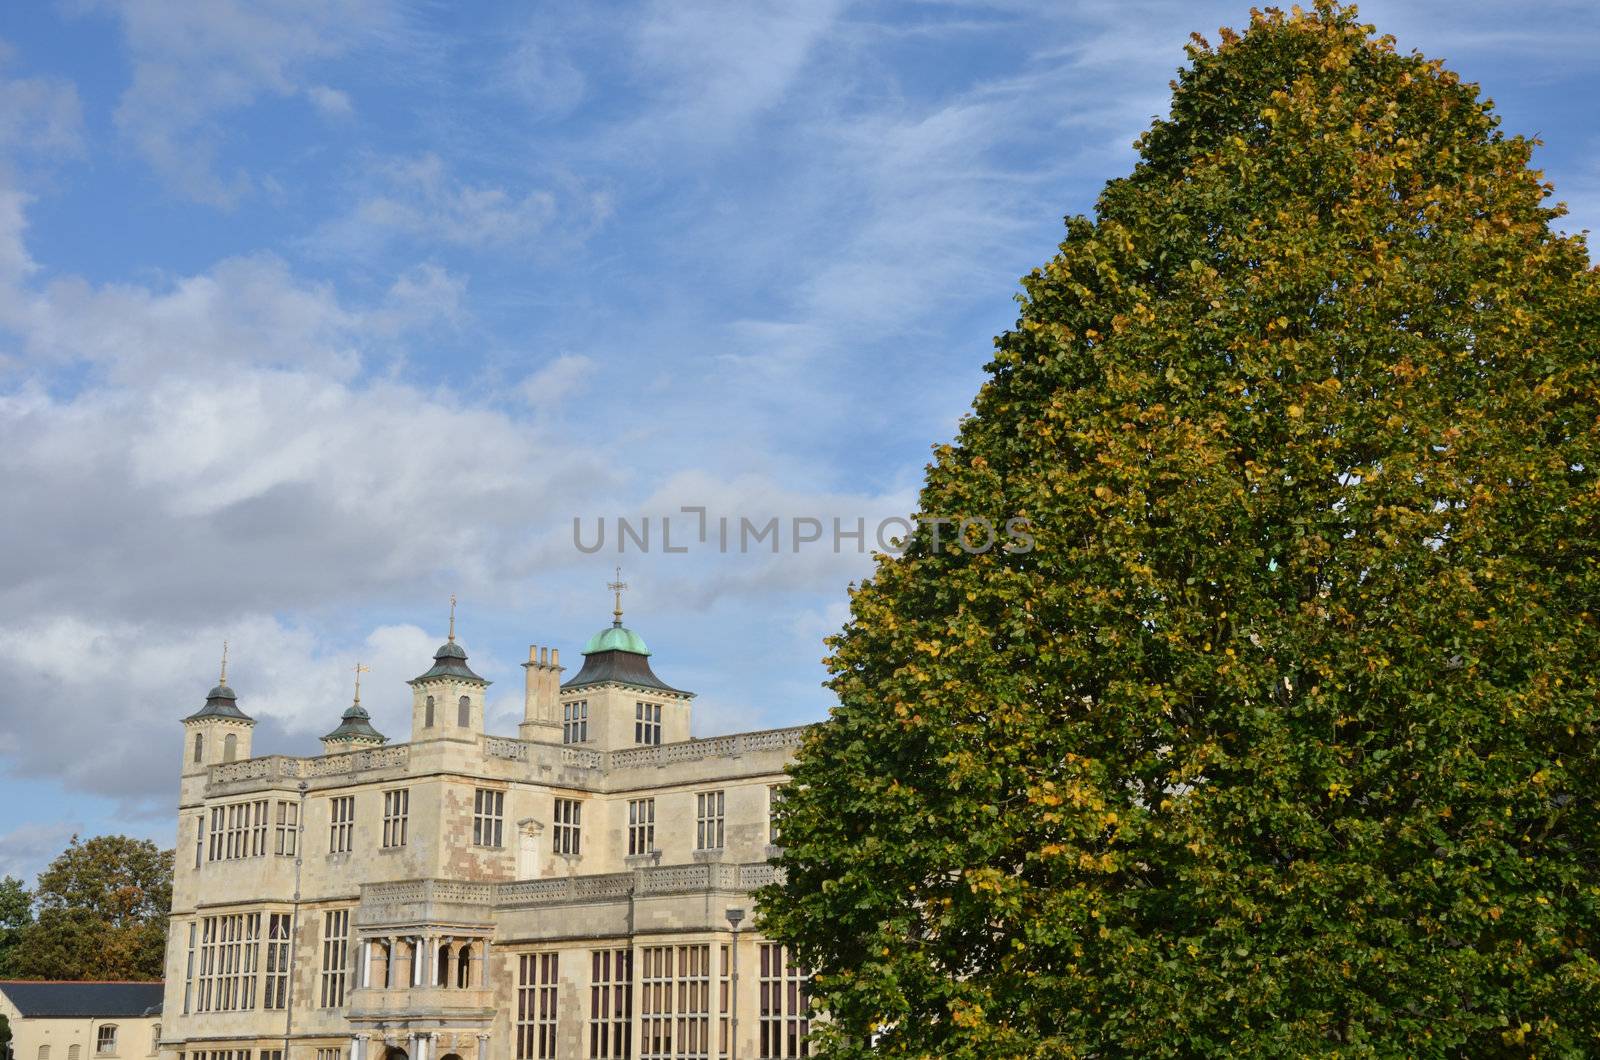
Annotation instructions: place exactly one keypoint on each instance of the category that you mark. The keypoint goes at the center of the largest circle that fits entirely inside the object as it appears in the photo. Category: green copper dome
(616, 638)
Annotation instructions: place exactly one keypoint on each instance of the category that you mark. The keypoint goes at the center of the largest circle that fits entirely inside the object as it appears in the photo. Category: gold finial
(222, 678)
(359, 671)
(617, 587)
(452, 617)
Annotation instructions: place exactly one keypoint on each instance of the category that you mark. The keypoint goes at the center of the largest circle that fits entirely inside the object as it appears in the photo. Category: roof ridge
(97, 982)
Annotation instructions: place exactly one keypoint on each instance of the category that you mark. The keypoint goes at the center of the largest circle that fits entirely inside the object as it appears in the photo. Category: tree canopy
(101, 913)
(1281, 740)
(16, 913)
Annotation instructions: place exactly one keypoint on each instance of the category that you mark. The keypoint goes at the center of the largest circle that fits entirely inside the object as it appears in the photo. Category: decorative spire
(452, 618)
(222, 678)
(359, 671)
(617, 587)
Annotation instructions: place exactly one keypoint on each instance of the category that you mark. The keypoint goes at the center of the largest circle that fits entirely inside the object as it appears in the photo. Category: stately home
(581, 889)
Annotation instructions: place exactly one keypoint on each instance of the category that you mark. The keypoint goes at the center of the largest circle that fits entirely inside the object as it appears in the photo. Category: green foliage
(16, 913)
(1282, 740)
(102, 913)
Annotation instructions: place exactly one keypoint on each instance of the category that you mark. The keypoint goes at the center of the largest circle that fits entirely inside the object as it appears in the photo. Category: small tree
(1282, 740)
(102, 913)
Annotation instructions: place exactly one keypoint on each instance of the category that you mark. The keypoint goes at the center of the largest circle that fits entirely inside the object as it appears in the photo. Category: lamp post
(735, 917)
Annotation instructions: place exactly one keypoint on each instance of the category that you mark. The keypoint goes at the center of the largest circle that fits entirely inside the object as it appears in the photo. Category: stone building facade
(573, 891)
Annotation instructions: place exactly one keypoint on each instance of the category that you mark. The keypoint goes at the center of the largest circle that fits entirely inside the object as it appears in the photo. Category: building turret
(355, 726)
(616, 700)
(219, 731)
(447, 700)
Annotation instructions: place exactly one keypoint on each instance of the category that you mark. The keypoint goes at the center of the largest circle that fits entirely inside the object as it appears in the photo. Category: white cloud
(27, 850)
(15, 262)
(330, 101)
(295, 682)
(250, 310)
(422, 295)
(557, 381)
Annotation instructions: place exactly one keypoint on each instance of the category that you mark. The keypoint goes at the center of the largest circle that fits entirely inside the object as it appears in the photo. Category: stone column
(356, 1043)
(366, 962)
(635, 976)
(483, 1047)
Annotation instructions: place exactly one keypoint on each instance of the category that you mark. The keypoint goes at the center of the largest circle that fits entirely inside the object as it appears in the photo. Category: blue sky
(313, 313)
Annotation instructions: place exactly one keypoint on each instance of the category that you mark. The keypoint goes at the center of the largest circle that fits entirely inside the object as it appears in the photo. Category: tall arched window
(230, 747)
(427, 714)
(443, 964)
(199, 745)
(464, 968)
(464, 712)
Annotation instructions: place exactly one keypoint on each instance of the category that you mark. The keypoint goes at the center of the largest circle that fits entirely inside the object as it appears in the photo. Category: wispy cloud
(195, 63)
(39, 116)
(420, 201)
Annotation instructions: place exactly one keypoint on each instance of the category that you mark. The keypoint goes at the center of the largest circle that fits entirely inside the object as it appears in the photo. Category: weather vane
(452, 616)
(617, 587)
(359, 671)
(222, 678)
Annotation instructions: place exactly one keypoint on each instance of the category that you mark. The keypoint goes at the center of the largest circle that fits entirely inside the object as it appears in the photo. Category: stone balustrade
(270, 768)
(281, 767)
(714, 747)
(419, 900)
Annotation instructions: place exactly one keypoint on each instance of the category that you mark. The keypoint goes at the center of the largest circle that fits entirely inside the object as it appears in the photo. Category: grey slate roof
(356, 724)
(51, 999)
(221, 702)
(449, 661)
(620, 667)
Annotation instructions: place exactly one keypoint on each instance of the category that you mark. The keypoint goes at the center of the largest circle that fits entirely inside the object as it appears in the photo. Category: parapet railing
(605, 886)
(456, 892)
(271, 767)
(275, 766)
(655, 880)
(714, 747)
(524, 750)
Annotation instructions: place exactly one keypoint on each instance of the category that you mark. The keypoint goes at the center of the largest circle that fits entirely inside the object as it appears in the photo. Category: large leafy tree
(102, 913)
(1281, 740)
(16, 913)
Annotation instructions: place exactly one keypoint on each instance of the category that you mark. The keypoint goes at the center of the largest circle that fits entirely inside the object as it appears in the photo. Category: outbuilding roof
(56, 999)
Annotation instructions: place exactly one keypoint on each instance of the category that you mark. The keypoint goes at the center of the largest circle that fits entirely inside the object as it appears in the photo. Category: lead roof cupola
(355, 724)
(618, 655)
(451, 658)
(221, 701)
